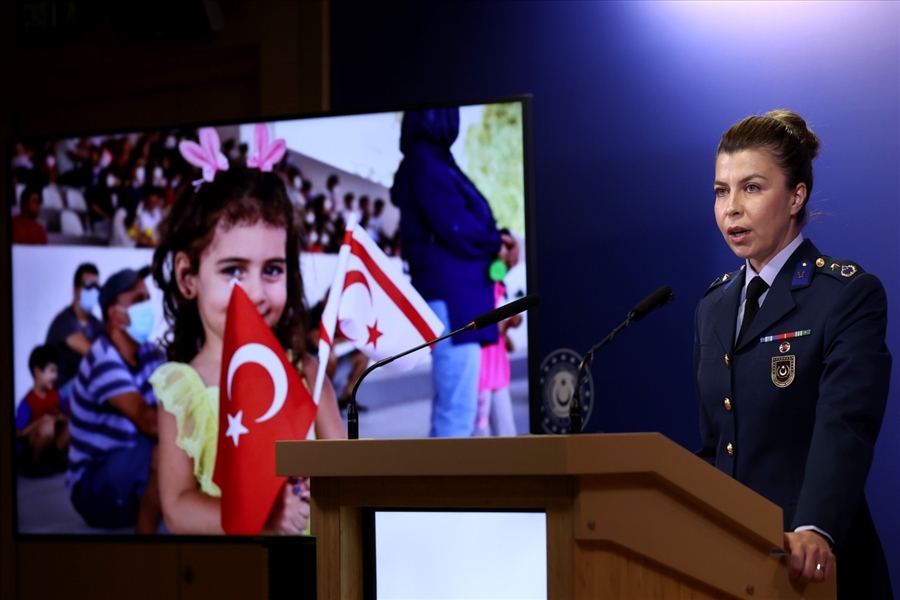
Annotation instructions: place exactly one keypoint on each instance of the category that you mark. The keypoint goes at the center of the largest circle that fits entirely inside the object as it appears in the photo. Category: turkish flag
(378, 310)
(261, 399)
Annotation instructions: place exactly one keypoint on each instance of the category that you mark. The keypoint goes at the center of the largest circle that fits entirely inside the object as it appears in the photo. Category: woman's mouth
(737, 234)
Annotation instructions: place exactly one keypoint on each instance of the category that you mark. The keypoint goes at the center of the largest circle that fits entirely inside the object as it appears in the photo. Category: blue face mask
(88, 299)
(142, 321)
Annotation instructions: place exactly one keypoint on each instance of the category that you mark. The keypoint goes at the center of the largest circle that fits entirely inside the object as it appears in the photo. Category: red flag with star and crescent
(377, 310)
(261, 399)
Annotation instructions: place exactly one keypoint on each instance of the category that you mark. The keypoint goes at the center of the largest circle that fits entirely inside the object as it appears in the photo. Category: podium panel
(628, 515)
(436, 555)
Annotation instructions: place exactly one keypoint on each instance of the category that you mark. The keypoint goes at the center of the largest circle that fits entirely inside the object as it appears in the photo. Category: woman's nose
(733, 205)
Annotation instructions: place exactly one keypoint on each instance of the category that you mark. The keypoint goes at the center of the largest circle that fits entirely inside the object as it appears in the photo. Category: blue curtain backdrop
(630, 101)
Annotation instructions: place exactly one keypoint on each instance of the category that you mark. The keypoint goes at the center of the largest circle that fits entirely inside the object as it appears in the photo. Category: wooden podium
(628, 515)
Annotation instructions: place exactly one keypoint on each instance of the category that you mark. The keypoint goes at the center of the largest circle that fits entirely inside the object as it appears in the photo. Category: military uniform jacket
(796, 420)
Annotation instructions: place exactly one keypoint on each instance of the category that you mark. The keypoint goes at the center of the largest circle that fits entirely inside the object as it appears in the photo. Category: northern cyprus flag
(375, 306)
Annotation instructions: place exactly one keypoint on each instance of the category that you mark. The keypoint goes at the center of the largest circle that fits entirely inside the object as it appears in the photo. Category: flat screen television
(101, 199)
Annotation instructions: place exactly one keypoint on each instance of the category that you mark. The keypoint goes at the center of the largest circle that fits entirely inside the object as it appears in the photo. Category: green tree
(495, 163)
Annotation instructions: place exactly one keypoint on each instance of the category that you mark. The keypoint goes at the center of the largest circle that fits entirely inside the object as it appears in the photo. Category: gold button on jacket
(727, 404)
(730, 448)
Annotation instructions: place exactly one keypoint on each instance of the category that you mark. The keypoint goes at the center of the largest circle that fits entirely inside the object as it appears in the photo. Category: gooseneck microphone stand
(651, 302)
(479, 322)
(353, 412)
(575, 406)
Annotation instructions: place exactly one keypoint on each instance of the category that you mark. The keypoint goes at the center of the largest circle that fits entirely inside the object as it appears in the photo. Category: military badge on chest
(783, 370)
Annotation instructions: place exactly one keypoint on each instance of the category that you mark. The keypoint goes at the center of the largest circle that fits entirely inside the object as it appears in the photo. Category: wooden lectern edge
(651, 454)
(675, 471)
(695, 480)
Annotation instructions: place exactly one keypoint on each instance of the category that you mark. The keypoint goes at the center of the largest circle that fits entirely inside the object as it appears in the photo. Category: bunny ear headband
(266, 154)
(207, 154)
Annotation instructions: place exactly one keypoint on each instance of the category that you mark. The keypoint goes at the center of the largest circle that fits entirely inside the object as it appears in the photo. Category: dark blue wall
(630, 101)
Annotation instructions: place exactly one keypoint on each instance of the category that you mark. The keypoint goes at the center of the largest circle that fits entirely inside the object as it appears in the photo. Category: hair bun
(795, 124)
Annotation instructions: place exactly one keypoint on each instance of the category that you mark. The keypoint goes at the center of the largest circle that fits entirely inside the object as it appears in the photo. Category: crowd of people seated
(106, 190)
(115, 190)
(327, 214)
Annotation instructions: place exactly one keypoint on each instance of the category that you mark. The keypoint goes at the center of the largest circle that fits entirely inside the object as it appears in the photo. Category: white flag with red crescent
(376, 308)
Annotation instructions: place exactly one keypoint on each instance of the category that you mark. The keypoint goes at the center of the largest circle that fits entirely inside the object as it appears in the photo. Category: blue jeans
(110, 491)
(454, 373)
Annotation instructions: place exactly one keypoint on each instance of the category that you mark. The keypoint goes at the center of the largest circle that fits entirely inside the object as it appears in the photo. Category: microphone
(479, 322)
(655, 300)
(505, 311)
(651, 302)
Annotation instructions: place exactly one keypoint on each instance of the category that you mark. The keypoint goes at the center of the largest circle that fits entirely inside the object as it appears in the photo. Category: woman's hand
(290, 514)
(811, 557)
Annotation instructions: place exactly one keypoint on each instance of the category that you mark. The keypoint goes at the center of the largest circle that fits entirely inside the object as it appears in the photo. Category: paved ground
(401, 407)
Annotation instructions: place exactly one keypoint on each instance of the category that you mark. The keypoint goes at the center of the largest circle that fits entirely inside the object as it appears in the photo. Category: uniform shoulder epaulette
(724, 279)
(839, 268)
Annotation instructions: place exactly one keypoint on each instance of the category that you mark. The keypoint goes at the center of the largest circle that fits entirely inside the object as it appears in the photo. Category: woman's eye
(232, 271)
(273, 270)
(752, 188)
(720, 192)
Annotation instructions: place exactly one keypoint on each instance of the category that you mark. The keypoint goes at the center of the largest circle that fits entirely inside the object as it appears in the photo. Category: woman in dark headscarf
(449, 239)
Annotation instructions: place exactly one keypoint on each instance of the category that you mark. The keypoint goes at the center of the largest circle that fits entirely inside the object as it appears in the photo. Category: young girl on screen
(495, 412)
(236, 224)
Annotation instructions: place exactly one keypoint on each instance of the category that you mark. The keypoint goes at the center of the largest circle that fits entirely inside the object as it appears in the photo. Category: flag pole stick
(328, 324)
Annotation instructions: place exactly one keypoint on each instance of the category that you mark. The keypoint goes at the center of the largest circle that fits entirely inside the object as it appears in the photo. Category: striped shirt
(95, 426)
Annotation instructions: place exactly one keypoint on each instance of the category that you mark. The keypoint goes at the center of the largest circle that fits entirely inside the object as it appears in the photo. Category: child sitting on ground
(42, 428)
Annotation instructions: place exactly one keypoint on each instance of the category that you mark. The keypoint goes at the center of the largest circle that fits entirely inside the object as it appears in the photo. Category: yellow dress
(181, 391)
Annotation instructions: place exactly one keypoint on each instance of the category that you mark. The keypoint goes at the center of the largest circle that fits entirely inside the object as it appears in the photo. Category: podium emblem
(559, 370)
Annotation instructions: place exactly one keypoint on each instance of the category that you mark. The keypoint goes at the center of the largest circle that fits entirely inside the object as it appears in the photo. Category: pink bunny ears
(207, 154)
(266, 154)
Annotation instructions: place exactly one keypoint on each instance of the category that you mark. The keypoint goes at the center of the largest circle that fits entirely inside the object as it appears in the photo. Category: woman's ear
(185, 276)
(798, 198)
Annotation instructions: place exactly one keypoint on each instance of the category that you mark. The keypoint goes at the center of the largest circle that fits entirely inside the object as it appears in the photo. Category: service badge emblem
(783, 370)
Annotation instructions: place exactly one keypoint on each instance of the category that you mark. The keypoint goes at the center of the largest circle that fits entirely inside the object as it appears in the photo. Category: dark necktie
(756, 289)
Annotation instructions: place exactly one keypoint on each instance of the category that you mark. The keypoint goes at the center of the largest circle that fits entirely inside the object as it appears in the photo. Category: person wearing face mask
(149, 216)
(159, 177)
(138, 176)
(75, 328)
(112, 477)
(293, 184)
(332, 194)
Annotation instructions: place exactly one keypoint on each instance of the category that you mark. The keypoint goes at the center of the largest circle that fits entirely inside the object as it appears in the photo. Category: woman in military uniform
(791, 365)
